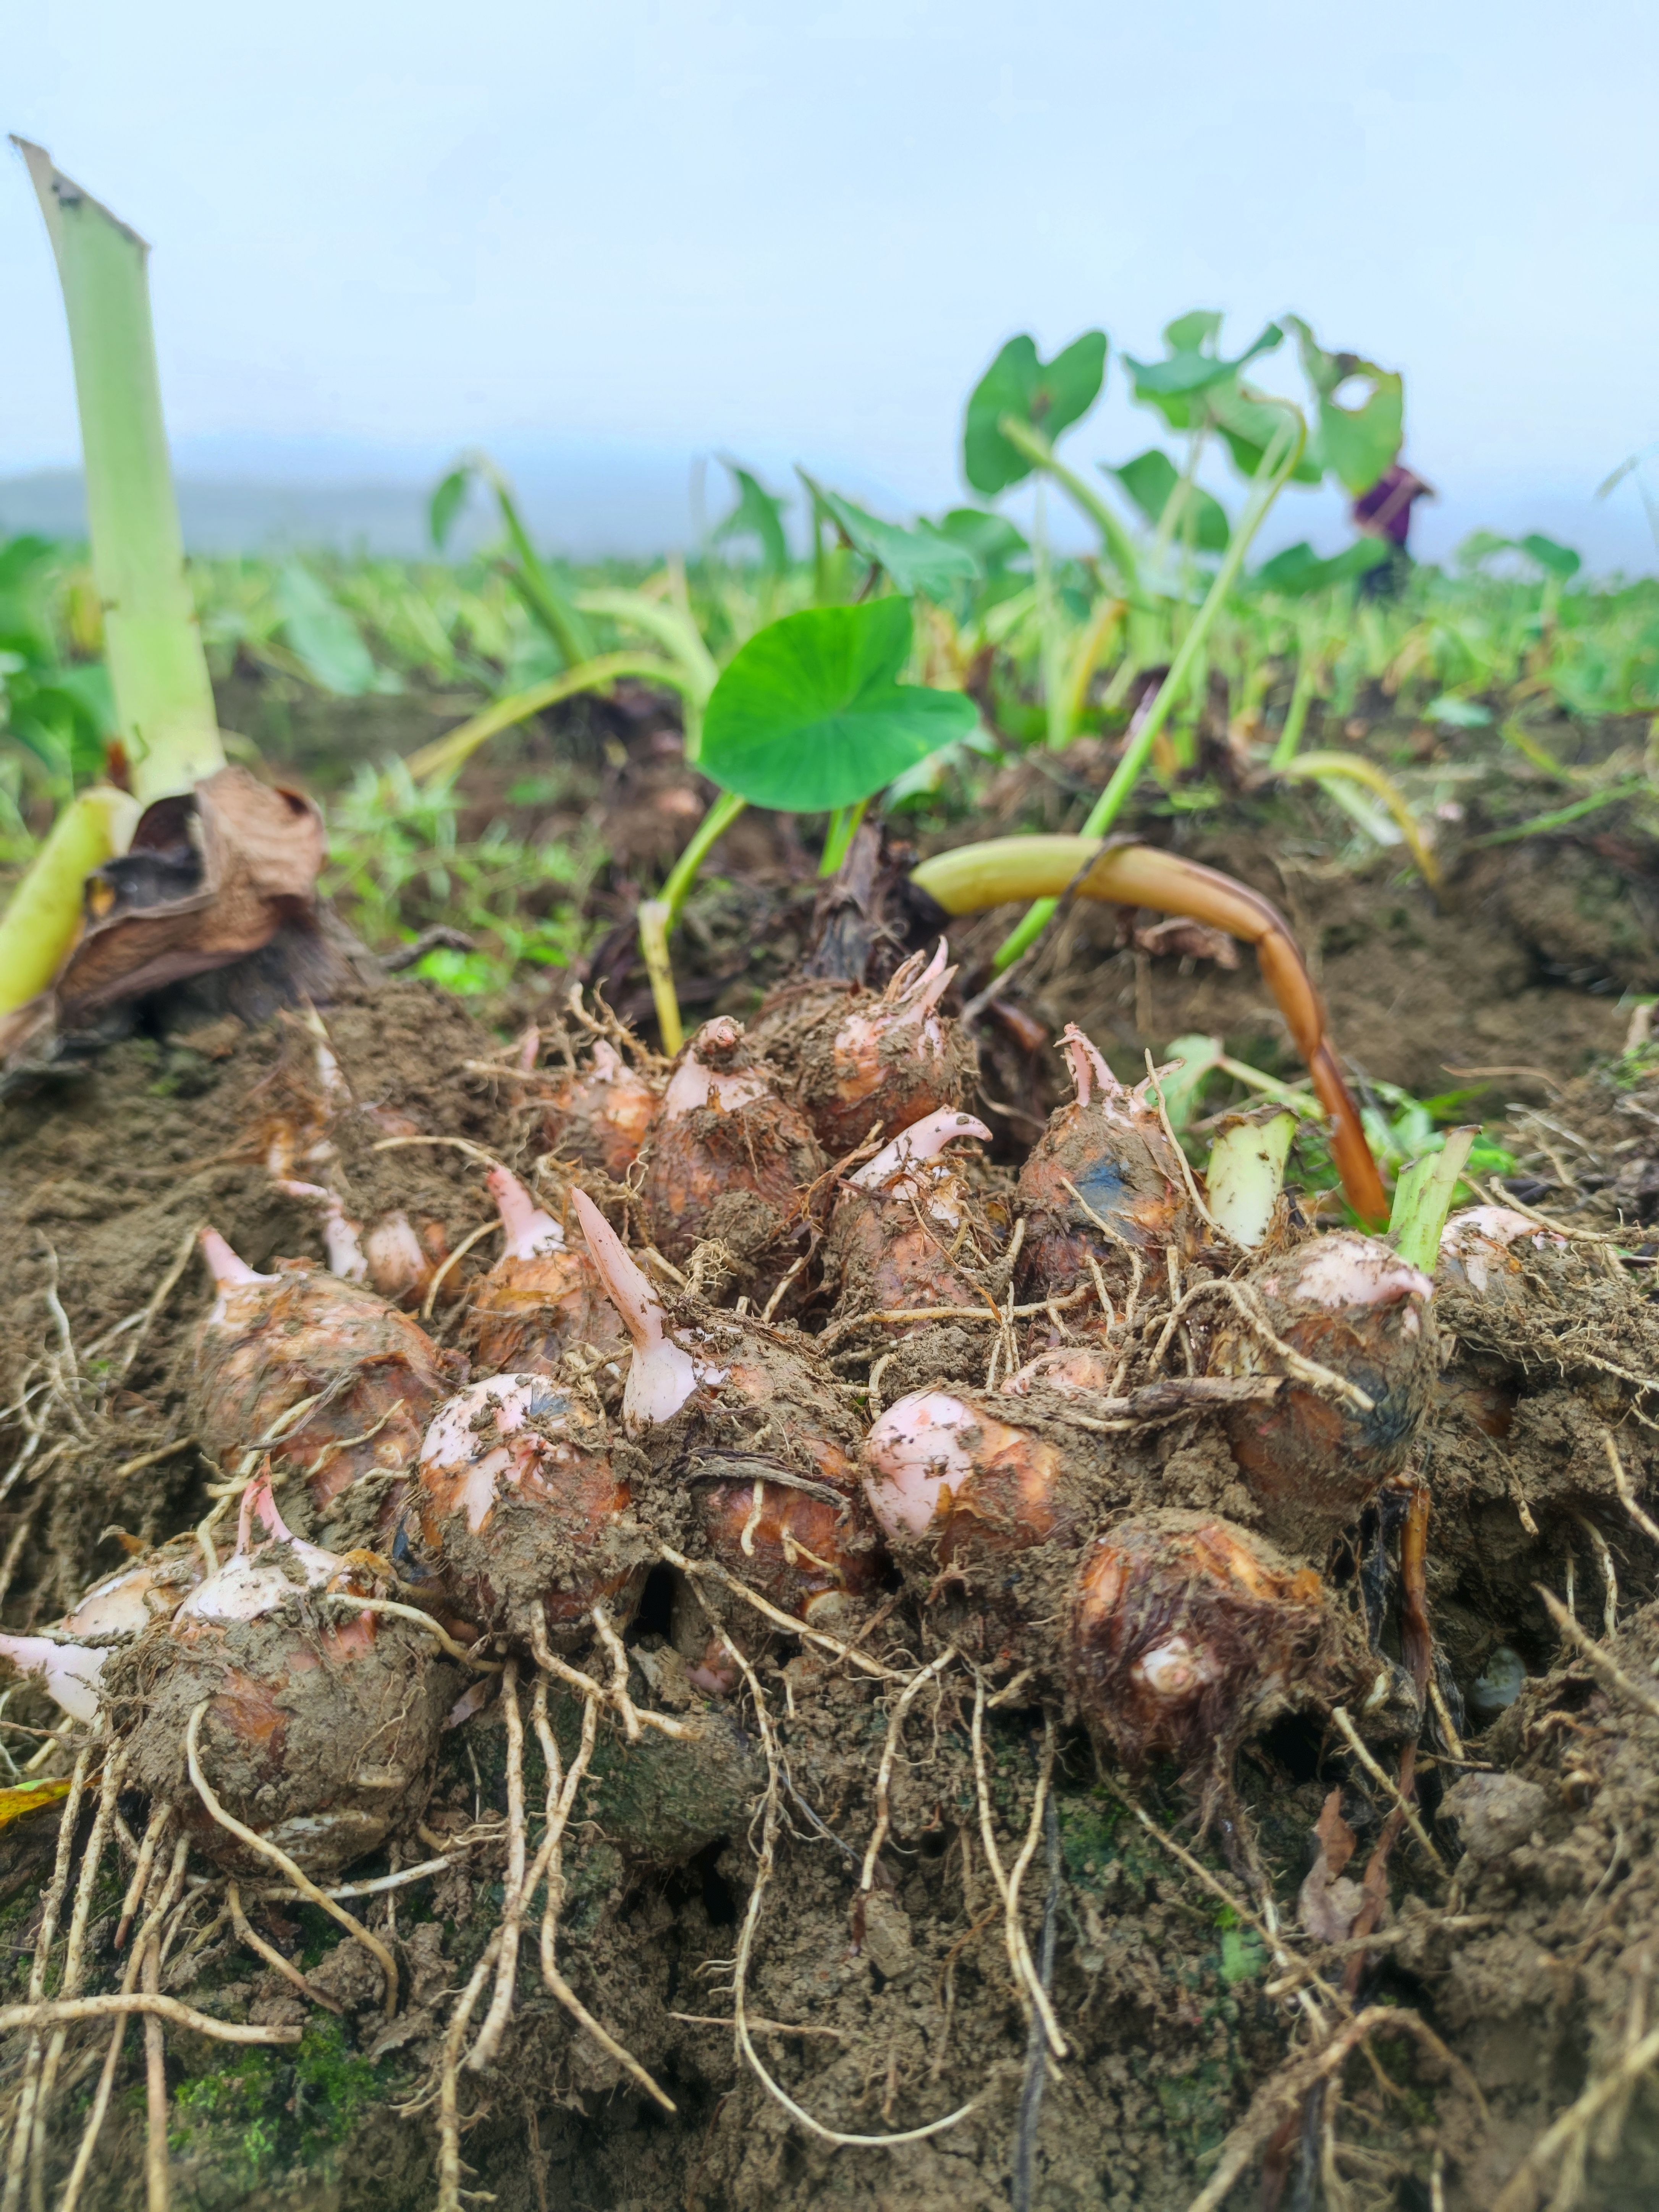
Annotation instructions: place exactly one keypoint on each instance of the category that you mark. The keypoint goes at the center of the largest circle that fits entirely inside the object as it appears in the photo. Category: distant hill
(586, 502)
(584, 512)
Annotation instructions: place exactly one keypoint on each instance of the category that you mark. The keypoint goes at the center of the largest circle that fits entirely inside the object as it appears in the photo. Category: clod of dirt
(1495, 1813)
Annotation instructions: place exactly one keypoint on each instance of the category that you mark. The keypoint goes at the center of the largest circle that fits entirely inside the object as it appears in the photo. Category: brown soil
(1532, 1961)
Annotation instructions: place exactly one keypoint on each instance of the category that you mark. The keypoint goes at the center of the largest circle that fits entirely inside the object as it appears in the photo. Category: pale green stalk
(1271, 478)
(448, 755)
(844, 828)
(164, 707)
(658, 915)
(1120, 546)
(1246, 1174)
(1175, 507)
(1422, 1198)
(40, 922)
(1302, 693)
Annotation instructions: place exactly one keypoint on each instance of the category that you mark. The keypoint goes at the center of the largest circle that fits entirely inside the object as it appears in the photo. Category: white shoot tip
(923, 1141)
(228, 1268)
(1088, 1066)
(625, 1283)
(529, 1231)
(68, 1673)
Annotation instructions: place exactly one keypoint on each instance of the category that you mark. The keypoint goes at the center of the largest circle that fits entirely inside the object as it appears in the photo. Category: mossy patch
(260, 2113)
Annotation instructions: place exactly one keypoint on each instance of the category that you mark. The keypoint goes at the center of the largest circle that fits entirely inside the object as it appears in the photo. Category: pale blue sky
(604, 238)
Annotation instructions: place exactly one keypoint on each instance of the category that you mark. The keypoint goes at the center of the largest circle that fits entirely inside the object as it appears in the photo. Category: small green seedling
(1423, 1198)
(1022, 401)
(1151, 481)
(809, 716)
(1298, 570)
(1357, 440)
(758, 515)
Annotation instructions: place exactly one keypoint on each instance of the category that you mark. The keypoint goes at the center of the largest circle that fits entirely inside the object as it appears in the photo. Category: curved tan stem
(1353, 767)
(1005, 869)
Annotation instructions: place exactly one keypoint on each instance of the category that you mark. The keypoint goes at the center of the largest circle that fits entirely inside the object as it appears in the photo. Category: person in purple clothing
(1385, 511)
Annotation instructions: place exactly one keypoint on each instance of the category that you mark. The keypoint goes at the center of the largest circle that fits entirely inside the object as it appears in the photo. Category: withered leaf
(1329, 1902)
(210, 877)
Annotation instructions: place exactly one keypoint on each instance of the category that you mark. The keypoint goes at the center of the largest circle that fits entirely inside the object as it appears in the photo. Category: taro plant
(1012, 418)
(676, 655)
(1279, 458)
(165, 737)
(809, 716)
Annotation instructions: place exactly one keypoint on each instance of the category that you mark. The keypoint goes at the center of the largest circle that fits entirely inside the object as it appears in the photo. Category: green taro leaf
(757, 514)
(1558, 561)
(447, 501)
(919, 559)
(1150, 479)
(1191, 333)
(1050, 396)
(20, 558)
(86, 685)
(810, 714)
(25, 628)
(1177, 385)
(1299, 569)
(994, 541)
(1249, 422)
(322, 635)
(1357, 443)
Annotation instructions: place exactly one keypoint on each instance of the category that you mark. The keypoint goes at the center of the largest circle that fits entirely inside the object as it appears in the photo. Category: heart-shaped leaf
(809, 714)
(1249, 422)
(757, 514)
(994, 542)
(1151, 477)
(919, 559)
(1050, 396)
(1176, 386)
(1191, 333)
(1358, 438)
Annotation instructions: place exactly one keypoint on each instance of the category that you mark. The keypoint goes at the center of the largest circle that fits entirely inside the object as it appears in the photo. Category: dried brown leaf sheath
(209, 878)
